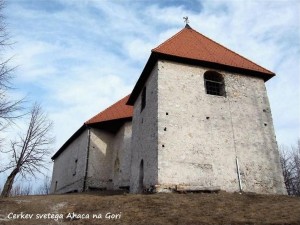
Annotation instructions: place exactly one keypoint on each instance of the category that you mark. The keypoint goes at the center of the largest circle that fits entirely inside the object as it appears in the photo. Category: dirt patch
(104, 208)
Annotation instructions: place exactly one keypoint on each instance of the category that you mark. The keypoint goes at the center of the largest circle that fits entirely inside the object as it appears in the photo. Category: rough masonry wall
(100, 158)
(121, 157)
(200, 135)
(144, 138)
(68, 174)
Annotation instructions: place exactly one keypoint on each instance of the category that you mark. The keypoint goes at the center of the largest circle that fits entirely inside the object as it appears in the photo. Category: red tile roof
(190, 44)
(119, 110)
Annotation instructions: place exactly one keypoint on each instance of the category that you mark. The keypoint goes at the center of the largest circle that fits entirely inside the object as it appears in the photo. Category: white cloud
(138, 50)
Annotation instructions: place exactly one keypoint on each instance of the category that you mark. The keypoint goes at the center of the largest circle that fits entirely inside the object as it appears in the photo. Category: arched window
(214, 83)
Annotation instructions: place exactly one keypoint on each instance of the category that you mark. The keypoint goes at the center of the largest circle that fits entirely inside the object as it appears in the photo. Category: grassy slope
(222, 208)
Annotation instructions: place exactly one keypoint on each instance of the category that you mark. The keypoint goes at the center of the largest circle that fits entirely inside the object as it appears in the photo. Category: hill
(192, 208)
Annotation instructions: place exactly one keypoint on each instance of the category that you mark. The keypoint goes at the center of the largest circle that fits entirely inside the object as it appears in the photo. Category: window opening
(143, 99)
(75, 167)
(55, 187)
(141, 177)
(214, 83)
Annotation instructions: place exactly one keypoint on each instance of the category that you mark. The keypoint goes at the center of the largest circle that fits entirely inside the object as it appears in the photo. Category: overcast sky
(79, 57)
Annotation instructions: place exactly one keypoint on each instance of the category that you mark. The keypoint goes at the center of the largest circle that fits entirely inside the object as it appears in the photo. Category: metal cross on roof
(186, 19)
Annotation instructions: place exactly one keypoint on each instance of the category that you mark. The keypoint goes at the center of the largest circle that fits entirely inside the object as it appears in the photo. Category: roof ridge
(232, 51)
(169, 38)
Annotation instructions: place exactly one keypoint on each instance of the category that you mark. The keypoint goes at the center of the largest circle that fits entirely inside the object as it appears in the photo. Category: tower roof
(190, 44)
(191, 47)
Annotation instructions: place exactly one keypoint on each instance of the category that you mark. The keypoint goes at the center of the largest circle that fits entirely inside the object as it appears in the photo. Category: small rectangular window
(214, 88)
(143, 99)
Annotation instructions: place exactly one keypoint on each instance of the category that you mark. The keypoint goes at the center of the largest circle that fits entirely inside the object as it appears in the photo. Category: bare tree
(287, 169)
(290, 162)
(44, 188)
(8, 107)
(21, 190)
(30, 151)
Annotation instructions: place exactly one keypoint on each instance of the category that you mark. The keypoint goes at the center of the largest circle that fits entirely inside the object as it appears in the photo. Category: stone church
(198, 118)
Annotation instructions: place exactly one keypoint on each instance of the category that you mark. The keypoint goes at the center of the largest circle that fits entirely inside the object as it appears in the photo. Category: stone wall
(200, 135)
(121, 157)
(183, 136)
(69, 167)
(99, 162)
(109, 158)
(144, 138)
(108, 161)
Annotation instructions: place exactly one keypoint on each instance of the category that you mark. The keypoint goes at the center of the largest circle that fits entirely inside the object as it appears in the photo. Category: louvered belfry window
(214, 83)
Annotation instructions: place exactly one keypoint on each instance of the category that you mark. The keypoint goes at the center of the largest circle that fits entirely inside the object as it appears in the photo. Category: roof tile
(119, 110)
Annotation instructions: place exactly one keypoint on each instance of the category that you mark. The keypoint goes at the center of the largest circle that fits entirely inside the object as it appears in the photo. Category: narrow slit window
(214, 83)
(75, 167)
(143, 99)
(55, 187)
